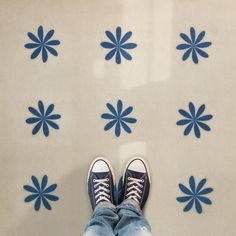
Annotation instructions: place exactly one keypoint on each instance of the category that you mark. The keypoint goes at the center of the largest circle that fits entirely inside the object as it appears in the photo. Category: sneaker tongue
(101, 175)
(135, 174)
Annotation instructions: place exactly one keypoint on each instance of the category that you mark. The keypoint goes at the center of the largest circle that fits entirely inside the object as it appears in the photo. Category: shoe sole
(145, 164)
(107, 162)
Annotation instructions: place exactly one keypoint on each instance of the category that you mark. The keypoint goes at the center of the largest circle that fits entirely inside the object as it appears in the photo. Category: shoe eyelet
(107, 185)
(94, 180)
(107, 179)
(142, 180)
(128, 178)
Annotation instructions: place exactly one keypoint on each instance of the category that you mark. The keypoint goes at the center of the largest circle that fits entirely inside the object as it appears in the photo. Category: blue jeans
(124, 220)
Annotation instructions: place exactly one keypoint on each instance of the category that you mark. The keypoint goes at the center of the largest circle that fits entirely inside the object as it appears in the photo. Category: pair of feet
(135, 182)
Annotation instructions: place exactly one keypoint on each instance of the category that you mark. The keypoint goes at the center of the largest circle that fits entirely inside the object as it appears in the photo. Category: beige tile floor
(80, 82)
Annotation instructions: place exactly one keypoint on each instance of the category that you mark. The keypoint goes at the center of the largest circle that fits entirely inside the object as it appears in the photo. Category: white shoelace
(134, 192)
(101, 190)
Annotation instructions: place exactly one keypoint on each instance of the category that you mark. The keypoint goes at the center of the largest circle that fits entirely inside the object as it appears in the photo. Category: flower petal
(119, 107)
(204, 200)
(32, 120)
(117, 129)
(194, 56)
(191, 109)
(188, 129)
(200, 110)
(44, 182)
(108, 45)
(200, 37)
(49, 109)
(46, 203)
(48, 35)
(200, 185)
(44, 55)
(193, 34)
(192, 184)
(45, 129)
(35, 182)
(127, 111)
(41, 107)
(31, 197)
(202, 53)
(205, 191)
(118, 58)
(129, 46)
(197, 131)
(30, 189)
(110, 54)
(189, 205)
(118, 34)
(185, 38)
(198, 206)
(52, 51)
(108, 116)
(112, 109)
(129, 120)
(184, 199)
(126, 127)
(32, 45)
(37, 128)
(125, 54)
(185, 190)
(185, 114)
(40, 33)
(36, 52)
(54, 117)
(126, 37)
(34, 112)
(52, 124)
(50, 189)
(205, 118)
(183, 122)
(53, 42)
(37, 204)
(204, 45)
(186, 54)
(204, 126)
(111, 37)
(183, 46)
(110, 125)
(51, 197)
(33, 37)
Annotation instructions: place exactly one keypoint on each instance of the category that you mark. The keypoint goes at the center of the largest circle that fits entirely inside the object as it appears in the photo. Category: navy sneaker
(100, 182)
(136, 181)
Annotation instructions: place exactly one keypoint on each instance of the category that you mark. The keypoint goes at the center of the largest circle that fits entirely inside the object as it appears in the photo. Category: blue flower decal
(118, 45)
(43, 118)
(194, 120)
(118, 118)
(193, 45)
(195, 195)
(41, 193)
(42, 43)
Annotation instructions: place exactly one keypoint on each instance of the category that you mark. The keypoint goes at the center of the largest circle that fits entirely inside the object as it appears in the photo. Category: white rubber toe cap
(100, 166)
(137, 165)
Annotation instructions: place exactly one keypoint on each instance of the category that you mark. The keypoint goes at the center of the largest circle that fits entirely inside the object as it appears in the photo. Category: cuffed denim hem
(130, 204)
(105, 205)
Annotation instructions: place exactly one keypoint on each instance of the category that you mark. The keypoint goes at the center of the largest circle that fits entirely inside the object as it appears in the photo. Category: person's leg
(103, 220)
(136, 185)
(101, 194)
